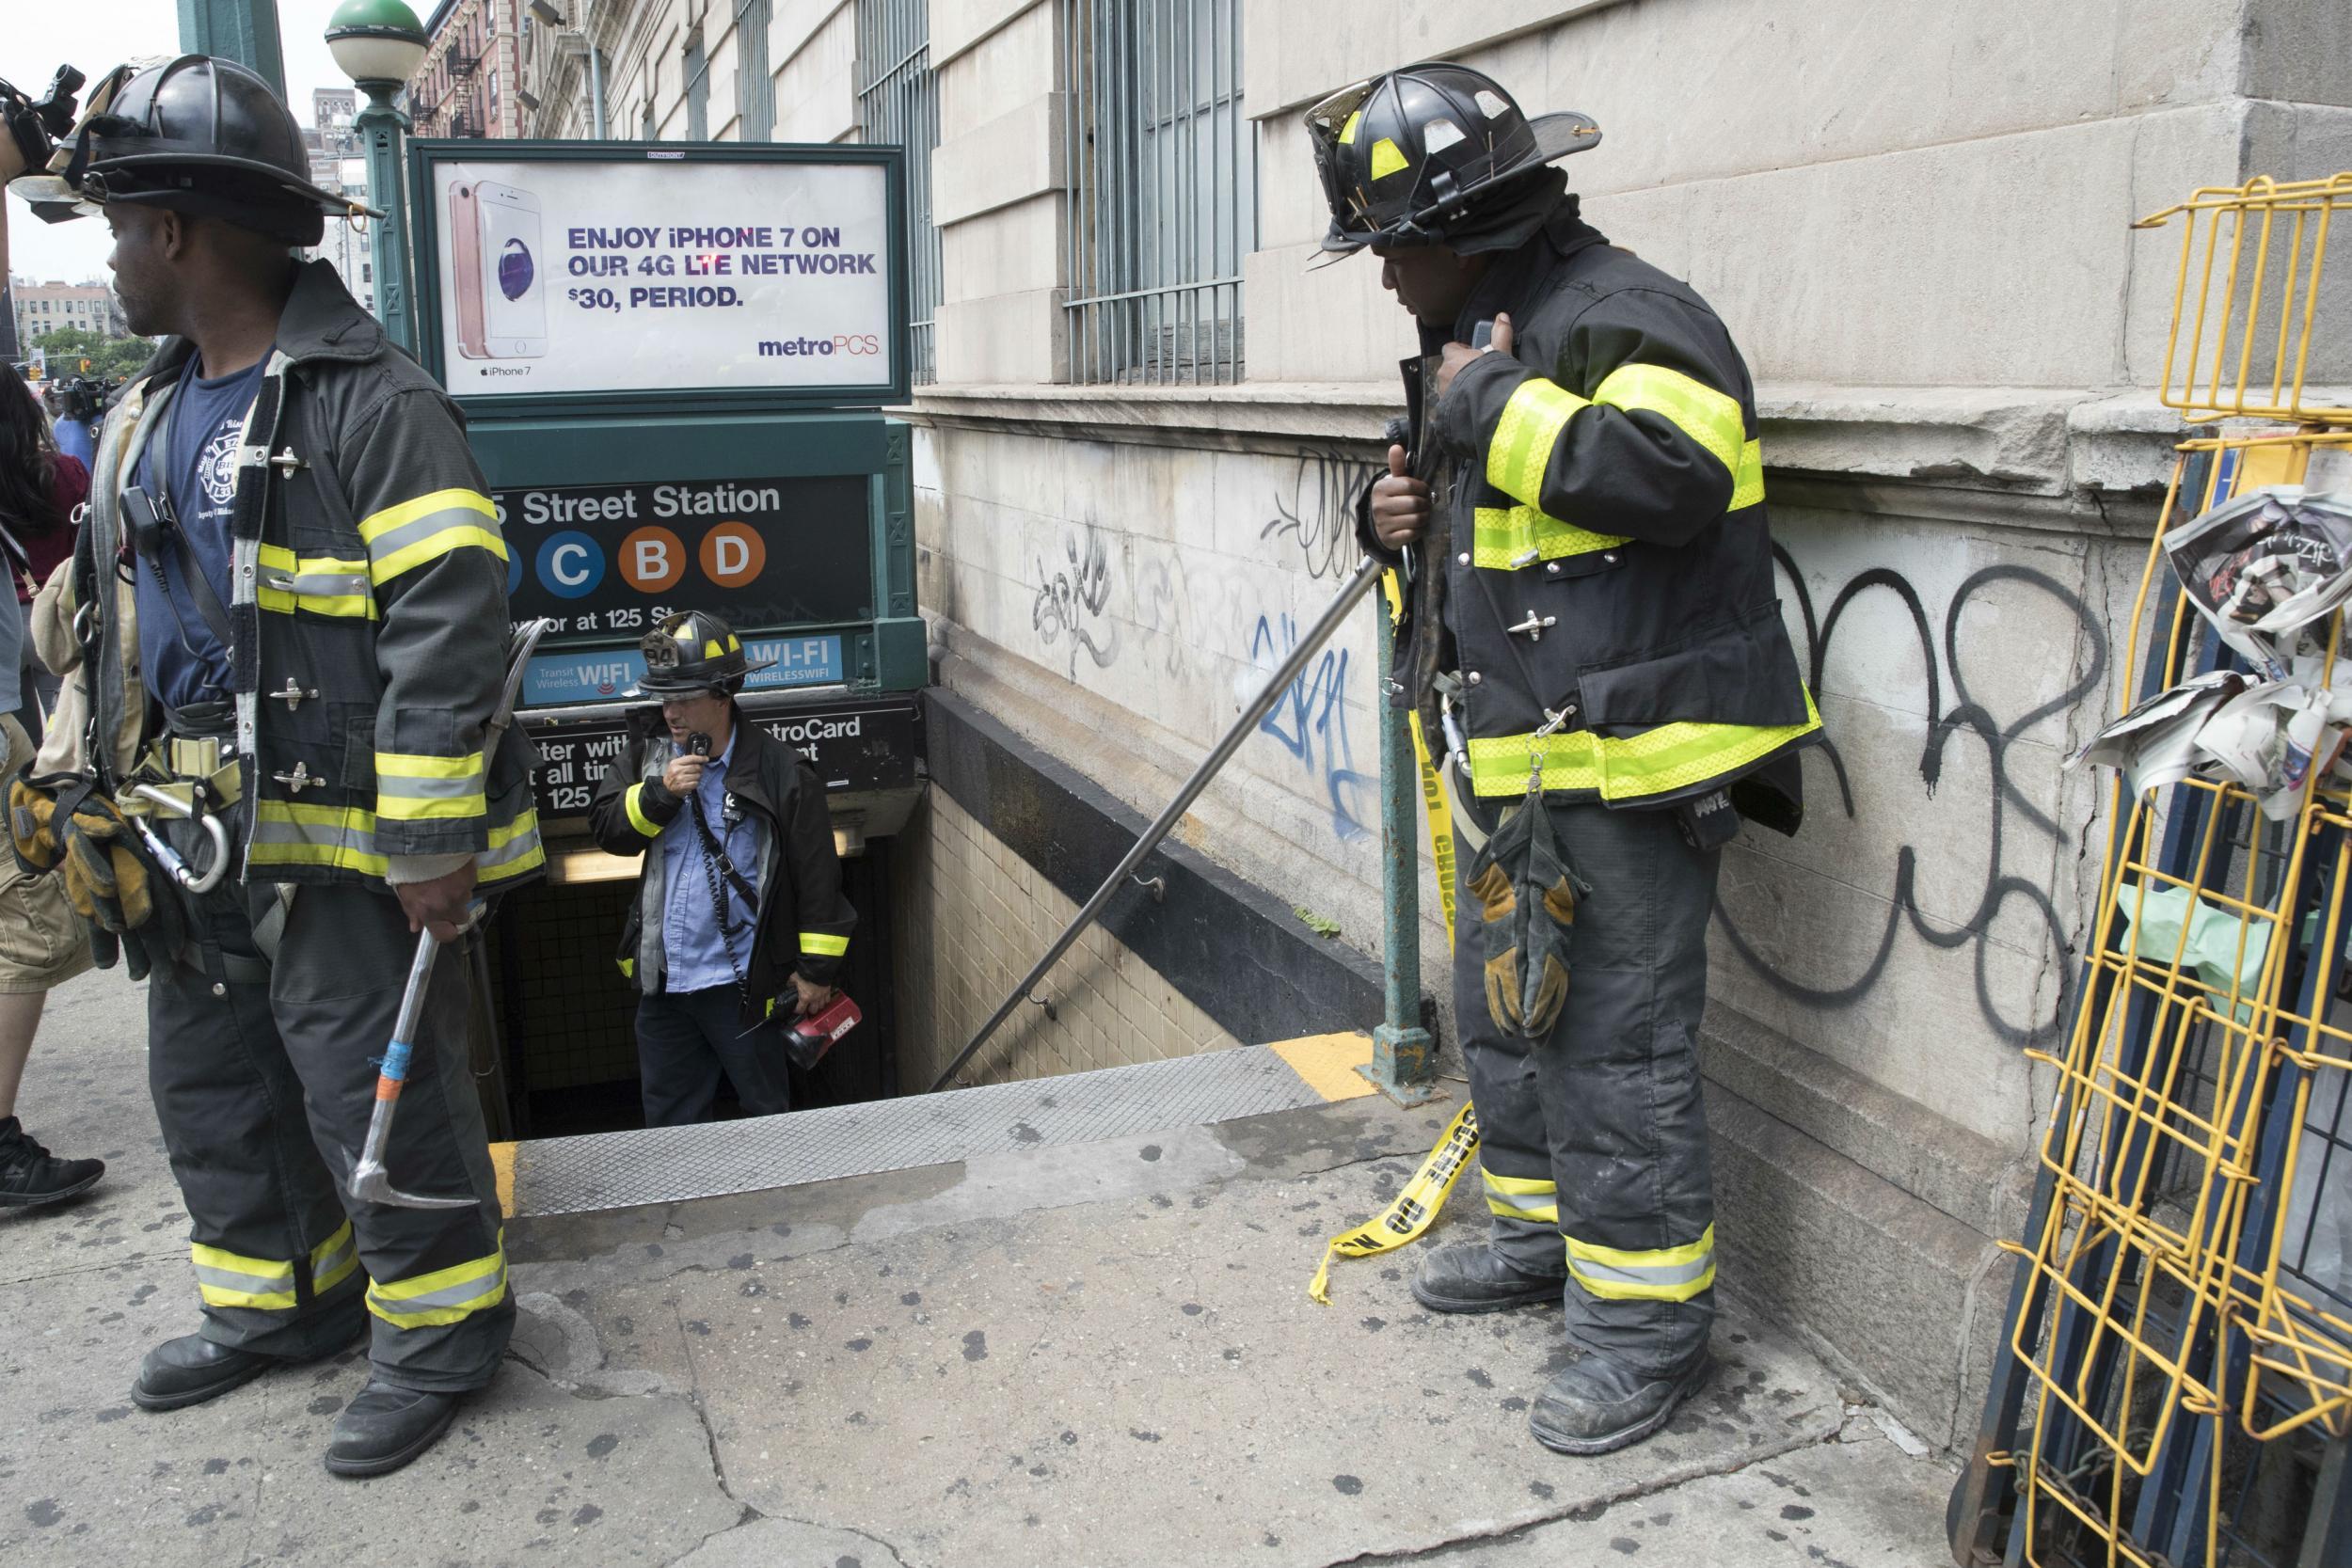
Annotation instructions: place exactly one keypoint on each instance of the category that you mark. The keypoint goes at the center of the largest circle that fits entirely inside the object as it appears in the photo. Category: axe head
(371, 1183)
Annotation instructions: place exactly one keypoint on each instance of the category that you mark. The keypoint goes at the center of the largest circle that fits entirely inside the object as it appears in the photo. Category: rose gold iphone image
(465, 243)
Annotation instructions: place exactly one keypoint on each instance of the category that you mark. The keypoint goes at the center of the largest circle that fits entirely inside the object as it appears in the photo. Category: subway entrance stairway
(1062, 1320)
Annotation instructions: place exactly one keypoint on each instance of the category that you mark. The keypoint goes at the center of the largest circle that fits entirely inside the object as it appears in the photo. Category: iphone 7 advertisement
(571, 275)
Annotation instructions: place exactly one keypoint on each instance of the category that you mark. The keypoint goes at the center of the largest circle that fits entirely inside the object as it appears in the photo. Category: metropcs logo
(652, 560)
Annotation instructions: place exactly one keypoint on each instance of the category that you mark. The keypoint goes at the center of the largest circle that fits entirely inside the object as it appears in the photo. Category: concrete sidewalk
(1099, 1353)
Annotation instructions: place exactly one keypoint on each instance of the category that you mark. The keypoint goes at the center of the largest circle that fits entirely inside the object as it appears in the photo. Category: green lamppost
(380, 44)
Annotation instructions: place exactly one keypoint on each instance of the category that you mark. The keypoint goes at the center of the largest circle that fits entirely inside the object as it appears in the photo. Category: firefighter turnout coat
(1610, 565)
(368, 612)
(800, 922)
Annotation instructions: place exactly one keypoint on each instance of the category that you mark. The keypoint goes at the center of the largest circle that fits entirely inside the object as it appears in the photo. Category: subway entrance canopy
(673, 358)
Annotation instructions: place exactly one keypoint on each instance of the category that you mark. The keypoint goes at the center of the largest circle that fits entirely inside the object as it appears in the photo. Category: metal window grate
(755, 92)
(1163, 189)
(897, 99)
(698, 88)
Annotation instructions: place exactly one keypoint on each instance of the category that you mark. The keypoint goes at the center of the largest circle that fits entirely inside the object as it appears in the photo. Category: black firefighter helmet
(694, 651)
(1405, 154)
(196, 134)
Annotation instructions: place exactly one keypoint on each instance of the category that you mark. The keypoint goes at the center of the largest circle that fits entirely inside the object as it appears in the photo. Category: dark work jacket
(801, 921)
(1602, 486)
(368, 607)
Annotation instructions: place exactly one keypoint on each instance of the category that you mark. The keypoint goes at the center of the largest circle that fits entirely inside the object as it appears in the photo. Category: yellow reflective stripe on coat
(1708, 417)
(1507, 538)
(445, 1295)
(323, 585)
(286, 832)
(636, 817)
(1747, 484)
(1670, 1273)
(822, 945)
(1522, 1197)
(1668, 758)
(401, 538)
(1530, 427)
(332, 1260)
(413, 788)
(227, 1279)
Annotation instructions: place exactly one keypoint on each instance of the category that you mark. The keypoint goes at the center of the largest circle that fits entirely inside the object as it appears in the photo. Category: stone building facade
(1151, 413)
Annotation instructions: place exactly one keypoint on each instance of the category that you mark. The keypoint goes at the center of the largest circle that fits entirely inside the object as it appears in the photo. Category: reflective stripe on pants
(1605, 1109)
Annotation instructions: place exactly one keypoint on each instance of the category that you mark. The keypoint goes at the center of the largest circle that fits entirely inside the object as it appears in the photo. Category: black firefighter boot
(1596, 1406)
(385, 1428)
(1472, 1276)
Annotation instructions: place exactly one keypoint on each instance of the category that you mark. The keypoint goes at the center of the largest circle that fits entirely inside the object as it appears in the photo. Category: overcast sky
(40, 37)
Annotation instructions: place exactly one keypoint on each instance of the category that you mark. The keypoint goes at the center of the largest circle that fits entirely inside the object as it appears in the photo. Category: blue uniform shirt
(194, 456)
(696, 953)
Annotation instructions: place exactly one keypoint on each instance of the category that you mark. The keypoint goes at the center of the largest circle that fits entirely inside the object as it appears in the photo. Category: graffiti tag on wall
(1071, 602)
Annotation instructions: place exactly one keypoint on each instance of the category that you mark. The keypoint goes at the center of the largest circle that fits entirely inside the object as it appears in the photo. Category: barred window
(755, 92)
(897, 99)
(1163, 189)
(698, 88)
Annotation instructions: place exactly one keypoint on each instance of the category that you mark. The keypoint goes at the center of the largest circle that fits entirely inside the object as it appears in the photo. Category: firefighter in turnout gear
(739, 926)
(1590, 621)
(291, 601)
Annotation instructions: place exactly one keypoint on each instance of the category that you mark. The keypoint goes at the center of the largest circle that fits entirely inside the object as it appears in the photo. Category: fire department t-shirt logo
(217, 467)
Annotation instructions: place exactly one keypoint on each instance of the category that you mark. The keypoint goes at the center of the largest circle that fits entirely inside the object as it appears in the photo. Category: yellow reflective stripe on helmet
(323, 585)
(1386, 159)
(227, 1279)
(443, 1296)
(1747, 484)
(410, 788)
(823, 946)
(332, 1260)
(1669, 1274)
(1699, 411)
(1522, 1197)
(1524, 436)
(1347, 132)
(1668, 758)
(636, 817)
(401, 538)
(1507, 538)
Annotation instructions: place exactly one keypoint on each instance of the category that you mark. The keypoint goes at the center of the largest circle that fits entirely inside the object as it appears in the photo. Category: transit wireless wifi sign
(584, 272)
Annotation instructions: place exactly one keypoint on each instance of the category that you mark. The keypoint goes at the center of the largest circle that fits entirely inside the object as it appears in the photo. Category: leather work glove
(1527, 898)
(30, 808)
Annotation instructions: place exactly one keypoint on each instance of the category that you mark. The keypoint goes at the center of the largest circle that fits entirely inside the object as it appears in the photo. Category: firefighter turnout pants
(1594, 1135)
(264, 1083)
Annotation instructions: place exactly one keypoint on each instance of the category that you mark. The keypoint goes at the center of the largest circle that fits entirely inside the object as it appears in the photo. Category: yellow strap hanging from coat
(1414, 1208)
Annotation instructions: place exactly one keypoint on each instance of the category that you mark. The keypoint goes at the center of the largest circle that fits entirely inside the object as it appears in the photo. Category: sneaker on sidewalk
(30, 1174)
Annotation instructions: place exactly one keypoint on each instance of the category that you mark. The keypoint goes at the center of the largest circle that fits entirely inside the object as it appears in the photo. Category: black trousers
(685, 1039)
(264, 1091)
(1594, 1136)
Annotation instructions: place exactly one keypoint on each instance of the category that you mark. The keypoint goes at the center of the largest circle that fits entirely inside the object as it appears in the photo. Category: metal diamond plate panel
(666, 1165)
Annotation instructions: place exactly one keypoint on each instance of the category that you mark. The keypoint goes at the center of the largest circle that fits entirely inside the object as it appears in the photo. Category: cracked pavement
(1099, 1353)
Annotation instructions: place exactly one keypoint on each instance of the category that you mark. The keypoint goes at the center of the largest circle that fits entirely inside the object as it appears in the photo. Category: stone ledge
(2043, 444)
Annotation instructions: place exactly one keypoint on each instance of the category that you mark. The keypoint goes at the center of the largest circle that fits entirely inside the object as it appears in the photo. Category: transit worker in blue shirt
(739, 926)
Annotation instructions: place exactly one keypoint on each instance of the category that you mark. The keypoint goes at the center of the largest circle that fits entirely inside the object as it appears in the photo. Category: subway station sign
(853, 746)
(610, 560)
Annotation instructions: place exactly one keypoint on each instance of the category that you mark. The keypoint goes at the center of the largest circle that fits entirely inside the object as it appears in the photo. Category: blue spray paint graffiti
(1309, 718)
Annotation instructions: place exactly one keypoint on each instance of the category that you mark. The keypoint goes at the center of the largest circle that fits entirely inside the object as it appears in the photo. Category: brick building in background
(465, 86)
(42, 308)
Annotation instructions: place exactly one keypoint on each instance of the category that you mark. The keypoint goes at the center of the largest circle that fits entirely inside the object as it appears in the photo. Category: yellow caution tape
(1414, 1208)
